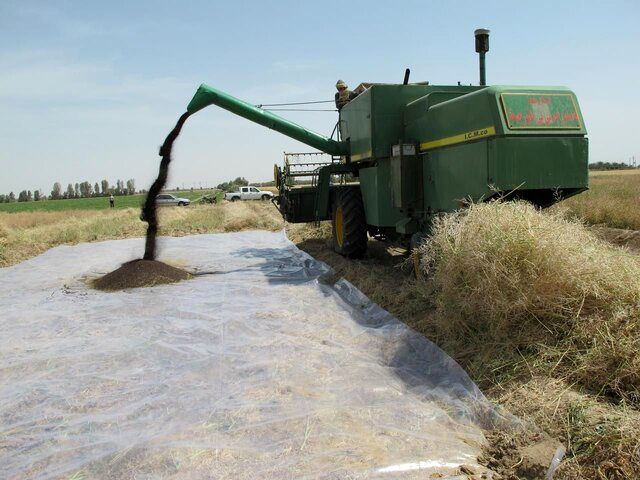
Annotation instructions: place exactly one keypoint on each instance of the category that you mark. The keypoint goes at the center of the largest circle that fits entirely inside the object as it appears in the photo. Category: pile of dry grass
(508, 274)
(249, 216)
(546, 317)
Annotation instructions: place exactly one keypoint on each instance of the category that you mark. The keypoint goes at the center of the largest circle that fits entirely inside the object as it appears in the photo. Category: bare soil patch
(523, 455)
(619, 236)
(140, 273)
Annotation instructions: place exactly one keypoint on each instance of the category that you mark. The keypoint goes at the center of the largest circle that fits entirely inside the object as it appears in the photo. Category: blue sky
(88, 90)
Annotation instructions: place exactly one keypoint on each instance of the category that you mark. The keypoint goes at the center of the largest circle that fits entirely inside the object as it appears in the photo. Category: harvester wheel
(349, 223)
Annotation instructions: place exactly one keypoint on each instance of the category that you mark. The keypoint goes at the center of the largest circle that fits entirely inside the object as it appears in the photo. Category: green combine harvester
(408, 152)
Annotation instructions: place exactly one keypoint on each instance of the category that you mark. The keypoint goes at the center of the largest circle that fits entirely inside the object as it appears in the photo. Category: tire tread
(354, 223)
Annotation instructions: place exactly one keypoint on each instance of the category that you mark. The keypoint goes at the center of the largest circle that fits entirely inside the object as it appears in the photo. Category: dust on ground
(140, 273)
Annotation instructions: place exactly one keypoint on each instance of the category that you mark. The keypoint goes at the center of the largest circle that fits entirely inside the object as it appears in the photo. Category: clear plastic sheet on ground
(255, 368)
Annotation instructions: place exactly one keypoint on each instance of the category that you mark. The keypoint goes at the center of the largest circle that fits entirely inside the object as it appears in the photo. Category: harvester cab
(408, 152)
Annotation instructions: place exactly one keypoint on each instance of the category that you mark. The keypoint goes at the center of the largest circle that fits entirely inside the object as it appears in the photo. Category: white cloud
(37, 75)
(65, 25)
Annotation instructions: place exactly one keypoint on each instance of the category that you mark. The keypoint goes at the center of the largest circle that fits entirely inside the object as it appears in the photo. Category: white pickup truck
(248, 193)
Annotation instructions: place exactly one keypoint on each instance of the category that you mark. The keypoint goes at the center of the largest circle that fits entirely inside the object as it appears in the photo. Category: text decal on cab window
(535, 111)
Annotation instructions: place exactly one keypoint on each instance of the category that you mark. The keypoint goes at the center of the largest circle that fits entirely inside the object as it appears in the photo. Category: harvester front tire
(349, 223)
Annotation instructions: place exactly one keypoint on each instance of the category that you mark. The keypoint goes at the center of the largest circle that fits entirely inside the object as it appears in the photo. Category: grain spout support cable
(262, 105)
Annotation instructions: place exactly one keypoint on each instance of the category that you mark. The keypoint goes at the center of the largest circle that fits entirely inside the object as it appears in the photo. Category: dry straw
(24, 235)
(509, 274)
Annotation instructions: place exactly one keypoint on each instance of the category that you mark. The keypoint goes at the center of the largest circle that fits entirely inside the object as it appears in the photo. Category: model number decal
(476, 133)
(463, 137)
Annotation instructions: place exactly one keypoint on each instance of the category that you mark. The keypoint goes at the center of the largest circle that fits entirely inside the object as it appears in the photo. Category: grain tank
(408, 152)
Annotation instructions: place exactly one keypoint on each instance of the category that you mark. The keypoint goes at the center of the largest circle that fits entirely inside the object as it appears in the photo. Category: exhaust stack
(482, 47)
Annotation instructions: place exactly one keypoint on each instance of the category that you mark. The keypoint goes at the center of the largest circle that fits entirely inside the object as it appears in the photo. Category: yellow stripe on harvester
(360, 156)
(463, 137)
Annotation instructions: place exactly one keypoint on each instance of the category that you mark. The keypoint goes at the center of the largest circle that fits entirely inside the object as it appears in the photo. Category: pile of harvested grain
(149, 272)
(510, 275)
(140, 273)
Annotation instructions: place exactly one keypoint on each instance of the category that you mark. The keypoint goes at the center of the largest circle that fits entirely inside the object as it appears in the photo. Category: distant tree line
(78, 190)
(609, 166)
(233, 185)
(270, 183)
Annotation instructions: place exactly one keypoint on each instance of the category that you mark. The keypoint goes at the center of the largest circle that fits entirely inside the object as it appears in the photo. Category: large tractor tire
(349, 223)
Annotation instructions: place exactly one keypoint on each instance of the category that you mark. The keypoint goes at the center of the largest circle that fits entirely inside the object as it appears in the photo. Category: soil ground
(520, 456)
(619, 236)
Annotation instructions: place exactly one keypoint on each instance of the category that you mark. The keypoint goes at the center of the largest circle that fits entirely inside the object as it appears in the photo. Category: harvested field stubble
(29, 234)
(24, 235)
(613, 200)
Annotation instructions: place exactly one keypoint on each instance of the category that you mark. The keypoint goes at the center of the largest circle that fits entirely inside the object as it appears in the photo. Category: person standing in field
(112, 202)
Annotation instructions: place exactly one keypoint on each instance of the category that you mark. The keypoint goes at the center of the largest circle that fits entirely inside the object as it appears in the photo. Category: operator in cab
(343, 95)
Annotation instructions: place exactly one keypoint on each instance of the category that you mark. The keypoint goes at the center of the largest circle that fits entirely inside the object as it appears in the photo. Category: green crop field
(93, 203)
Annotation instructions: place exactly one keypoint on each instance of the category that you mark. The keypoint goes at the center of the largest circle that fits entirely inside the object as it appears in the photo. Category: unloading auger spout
(207, 95)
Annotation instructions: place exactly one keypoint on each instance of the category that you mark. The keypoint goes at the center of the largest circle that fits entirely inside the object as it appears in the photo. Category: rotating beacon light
(482, 47)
